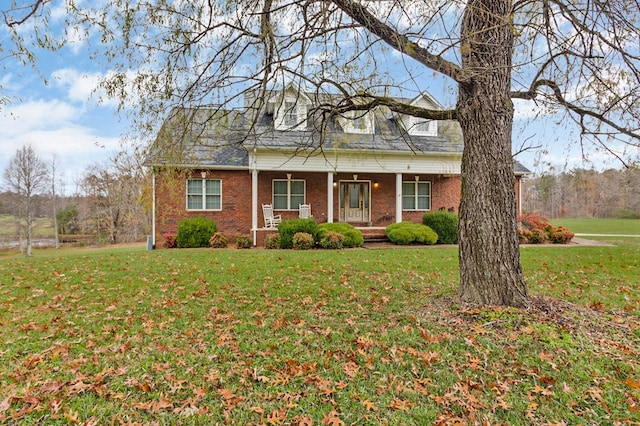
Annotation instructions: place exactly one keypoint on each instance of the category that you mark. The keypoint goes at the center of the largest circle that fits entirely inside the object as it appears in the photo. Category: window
(424, 127)
(416, 195)
(288, 194)
(290, 114)
(204, 194)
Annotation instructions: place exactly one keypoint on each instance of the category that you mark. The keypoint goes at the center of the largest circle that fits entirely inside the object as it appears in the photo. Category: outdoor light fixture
(376, 184)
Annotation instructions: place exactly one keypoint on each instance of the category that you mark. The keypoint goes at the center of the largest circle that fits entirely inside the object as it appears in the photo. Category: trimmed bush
(332, 240)
(352, 236)
(405, 233)
(272, 241)
(195, 232)
(302, 241)
(288, 228)
(445, 224)
(536, 229)
(243, 241)
(218, 241)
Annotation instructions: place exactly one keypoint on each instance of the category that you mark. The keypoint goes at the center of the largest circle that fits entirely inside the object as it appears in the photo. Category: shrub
(243, 241)
(272, 241)
(536, 229)
(561, 235)
(445, 224)
(302, 241)
(332, 240)
(218, 241)
(195, 232)
(405, 233)
(169, 241)
(352, 236)
(538, 236)
(288, 228)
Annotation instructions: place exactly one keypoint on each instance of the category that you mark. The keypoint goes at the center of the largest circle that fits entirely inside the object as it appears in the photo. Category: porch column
(398, 197)
(254, 205)
(330, 197)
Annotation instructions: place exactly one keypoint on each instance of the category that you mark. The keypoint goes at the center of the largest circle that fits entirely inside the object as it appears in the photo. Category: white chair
(270, 221)
(304, 211)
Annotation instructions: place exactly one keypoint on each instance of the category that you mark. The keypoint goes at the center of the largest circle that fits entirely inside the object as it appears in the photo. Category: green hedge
(352, 236)
(288, 228)
(195, 232)
(445, 224)
(405, 233)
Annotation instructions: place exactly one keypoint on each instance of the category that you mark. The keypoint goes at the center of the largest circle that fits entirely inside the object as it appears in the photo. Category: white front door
(354, 201)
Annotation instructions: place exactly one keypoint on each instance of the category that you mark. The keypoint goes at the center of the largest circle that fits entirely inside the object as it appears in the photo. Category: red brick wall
(235, 216)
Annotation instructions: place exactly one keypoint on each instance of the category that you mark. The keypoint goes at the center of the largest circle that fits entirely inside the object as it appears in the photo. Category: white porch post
(330, 197)
(153, 207)
(398, 197)
(254, 205)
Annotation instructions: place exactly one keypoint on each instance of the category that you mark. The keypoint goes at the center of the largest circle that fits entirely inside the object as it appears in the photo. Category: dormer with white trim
(360, 122)
(290, 109)
(420, 126)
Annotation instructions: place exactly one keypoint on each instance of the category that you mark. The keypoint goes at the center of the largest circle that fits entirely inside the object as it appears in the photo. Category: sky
(63, 119)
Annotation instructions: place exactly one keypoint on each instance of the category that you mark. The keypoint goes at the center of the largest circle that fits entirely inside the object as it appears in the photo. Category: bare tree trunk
(490, 269)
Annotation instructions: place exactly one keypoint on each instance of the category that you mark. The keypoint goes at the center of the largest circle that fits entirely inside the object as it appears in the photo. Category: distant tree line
(612, 193)
(111, 201)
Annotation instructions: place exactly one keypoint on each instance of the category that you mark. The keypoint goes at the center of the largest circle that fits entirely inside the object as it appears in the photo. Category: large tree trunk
(490, 269)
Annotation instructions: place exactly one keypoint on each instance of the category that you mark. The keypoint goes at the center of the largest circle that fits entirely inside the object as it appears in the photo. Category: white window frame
(203, 194)
(417, 128)
(289, 194)
(416, 195)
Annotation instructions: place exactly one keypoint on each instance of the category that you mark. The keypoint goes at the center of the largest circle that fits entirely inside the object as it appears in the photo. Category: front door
(354, 201)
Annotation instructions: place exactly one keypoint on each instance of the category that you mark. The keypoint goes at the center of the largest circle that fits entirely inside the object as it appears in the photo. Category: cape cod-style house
(369, 169)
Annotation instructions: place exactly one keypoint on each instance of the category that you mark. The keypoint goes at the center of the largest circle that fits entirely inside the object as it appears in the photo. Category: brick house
(369, 169)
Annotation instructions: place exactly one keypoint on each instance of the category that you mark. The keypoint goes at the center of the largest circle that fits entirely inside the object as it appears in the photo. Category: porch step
(373, 234)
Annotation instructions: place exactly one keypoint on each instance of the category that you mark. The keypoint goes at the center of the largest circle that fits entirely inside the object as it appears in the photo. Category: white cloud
(54, 128)
(82, 86)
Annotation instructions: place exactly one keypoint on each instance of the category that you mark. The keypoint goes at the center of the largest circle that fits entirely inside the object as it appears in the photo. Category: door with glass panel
(354, 201)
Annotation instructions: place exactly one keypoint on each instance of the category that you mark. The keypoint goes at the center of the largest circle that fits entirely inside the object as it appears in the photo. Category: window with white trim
(288, 194)
(416, 195)
(204, 194)
(423, 127)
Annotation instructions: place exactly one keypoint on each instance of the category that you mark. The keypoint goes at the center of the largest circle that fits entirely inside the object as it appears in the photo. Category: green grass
(43, 227)
(319, 337)
(600, 226)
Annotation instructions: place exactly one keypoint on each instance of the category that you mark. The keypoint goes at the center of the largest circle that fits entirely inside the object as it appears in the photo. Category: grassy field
(601, 226)
(126, 336)
(43, 227)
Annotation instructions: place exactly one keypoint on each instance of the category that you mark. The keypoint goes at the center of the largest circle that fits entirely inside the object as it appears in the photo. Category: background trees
(27, 175)
(584, 193)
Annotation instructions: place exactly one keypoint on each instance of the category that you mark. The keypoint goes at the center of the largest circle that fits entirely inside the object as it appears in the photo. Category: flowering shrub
(302, 241)
(218, 240)
(332, 240)
(536, 229)
(561, 235)
(243, 241)
(272, 241)
(170, 241)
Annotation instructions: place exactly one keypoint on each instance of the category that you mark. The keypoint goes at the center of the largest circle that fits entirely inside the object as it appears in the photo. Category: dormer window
(290, 114)
(357, 122)
(422, 127)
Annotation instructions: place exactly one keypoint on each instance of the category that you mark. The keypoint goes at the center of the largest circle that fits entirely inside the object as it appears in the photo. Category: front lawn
(318, 337)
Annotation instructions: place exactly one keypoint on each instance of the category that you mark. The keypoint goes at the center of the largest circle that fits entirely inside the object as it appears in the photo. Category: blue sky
(65, 119)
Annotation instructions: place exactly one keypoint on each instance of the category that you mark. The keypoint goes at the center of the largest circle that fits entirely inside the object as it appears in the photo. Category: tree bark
(490, 268)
